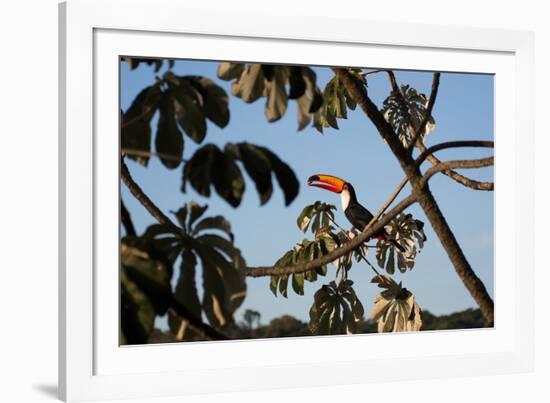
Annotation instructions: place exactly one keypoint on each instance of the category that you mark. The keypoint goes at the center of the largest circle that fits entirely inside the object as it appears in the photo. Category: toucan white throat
(346, 197)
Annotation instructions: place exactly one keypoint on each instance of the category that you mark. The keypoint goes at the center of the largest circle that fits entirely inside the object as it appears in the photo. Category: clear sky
(463, 111)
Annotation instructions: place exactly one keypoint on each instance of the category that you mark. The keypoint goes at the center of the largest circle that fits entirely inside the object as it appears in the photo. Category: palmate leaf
(136, 122)
(318, 214)
(336, 101)
(408, 232)
(395, 308)
(212, 166)
(208, 244)
(254, 81)
(399, 115)
(336, 309)
(185, 104)
(145, 290)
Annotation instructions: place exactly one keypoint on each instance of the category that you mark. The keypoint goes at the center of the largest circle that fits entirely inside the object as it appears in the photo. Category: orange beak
(328, 182)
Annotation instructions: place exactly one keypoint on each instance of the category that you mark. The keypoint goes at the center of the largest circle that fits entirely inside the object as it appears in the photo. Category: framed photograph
(259, 207)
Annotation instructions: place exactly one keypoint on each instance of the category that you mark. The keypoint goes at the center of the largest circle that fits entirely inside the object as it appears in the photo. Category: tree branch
(359, 94)
(336, 253)
(463, 180)
(145, 201)
(195, 323)
(431, 101)
(462, 164)
(126, 219)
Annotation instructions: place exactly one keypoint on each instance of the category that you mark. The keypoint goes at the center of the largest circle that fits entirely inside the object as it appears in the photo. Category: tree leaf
(229, 71)
(250, 85)
(215, 101)
(168, 140)
(136, 122)
(277, 100)
(190, 116)
(216, 222)
(151, 276)
(137, 314)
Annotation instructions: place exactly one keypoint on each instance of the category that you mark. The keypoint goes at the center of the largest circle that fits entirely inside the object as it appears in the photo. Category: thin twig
(462, 164)
(463, 180)
(427, 114)
(358, 249)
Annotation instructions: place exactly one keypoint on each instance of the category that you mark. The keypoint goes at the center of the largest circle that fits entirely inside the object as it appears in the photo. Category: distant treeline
(289, 326)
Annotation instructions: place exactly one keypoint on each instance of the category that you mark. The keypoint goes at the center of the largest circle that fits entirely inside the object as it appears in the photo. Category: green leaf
(283, 284)
(169, 140)
(298, 283)
(274, 284)
(304, 218)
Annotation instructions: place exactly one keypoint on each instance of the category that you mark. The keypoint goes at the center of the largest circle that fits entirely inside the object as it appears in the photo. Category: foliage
(210, 166)
(407, 108)
(209, 282)
(408, 232)
(336, 101)
(254, 81)
(395, 308)
(336, 309)
(184, 104)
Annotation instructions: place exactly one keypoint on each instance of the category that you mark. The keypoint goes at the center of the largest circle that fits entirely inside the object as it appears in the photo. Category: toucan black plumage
(356, 214)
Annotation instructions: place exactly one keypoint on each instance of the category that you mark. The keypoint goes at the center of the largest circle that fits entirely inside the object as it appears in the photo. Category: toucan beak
(328, 182)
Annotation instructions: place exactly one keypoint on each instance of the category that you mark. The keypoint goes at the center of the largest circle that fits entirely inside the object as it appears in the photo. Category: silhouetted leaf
(215, 102)
(186, 293)
(217, 222)
(137, 314)
(169, 140)
(136, 122)
(151, 276)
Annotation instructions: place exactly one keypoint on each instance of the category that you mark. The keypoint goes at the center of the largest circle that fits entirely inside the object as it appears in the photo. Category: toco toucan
(356, 214)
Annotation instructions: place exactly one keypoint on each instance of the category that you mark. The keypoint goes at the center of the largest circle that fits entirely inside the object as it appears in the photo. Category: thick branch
(335, 254)
(471, 183)
(359, 94)
(473, 284)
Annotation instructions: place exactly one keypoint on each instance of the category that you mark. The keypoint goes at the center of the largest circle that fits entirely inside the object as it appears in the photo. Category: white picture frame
(93, 33)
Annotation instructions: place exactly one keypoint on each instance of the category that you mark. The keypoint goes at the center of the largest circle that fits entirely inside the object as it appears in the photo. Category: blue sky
(463, 111)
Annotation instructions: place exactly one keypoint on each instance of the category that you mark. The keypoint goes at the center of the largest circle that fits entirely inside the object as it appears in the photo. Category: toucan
(356, 214)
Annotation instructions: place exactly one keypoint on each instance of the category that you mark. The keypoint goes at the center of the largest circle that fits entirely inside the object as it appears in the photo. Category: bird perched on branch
(356, 214)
